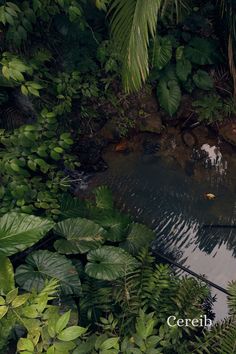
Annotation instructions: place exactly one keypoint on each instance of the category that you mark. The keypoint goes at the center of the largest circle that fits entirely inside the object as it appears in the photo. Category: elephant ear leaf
(82, 235)
(140, 236)
(7, 282)
(201, 51)
(162, 52)
(45, 265)
(203, 80)
(169, 95)
(20, 231)
(183, 69)
(109, 263)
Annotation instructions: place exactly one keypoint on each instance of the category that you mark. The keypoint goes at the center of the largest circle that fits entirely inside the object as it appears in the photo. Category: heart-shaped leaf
(42, 265)
(83, 234)
(169, 95)
(109, 263)
(203, 80)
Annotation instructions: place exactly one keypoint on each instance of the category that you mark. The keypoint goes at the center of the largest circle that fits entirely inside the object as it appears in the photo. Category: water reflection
(158, 192)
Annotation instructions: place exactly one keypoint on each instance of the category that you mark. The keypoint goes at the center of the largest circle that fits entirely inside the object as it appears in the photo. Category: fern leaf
(231, 298)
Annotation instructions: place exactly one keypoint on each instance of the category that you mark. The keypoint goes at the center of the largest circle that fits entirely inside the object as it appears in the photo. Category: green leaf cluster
(178, 68)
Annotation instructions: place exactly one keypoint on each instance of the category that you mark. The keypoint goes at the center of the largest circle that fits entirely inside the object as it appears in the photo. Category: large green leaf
(7, 282)
(112, 221)
(140, 236)
(42, 265)
(72, 207)
(183, 68)
(169, 95)
(20, 231)
(203, 80)
(201, 51)
(162, 52)
(109, 263)
(104, 199)
(82, 234)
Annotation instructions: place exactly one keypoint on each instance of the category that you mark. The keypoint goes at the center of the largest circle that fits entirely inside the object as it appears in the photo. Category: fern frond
(220, 339)
(189, 297)
(132, 22)
(96, 298)
(231, 298)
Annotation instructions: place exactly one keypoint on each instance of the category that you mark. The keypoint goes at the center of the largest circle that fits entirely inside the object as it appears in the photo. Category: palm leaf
(179, 7)
(132, 23)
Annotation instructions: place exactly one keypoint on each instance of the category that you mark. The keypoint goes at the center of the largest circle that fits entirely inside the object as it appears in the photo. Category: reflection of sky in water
(164, 197)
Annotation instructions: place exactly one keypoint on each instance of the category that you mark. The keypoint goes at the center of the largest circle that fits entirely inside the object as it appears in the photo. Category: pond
(157, 191)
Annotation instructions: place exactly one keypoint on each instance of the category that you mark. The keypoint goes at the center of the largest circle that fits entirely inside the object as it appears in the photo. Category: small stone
(122, 146)
(228, 132)
(150, 124)
(189, 139)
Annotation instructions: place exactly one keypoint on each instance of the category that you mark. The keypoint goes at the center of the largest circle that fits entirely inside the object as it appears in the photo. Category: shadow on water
(159, 193)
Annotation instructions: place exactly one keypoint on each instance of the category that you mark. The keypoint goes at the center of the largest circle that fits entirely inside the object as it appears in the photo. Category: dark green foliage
(81, 234)
(201, 51)
(169, 94)
(125, 300)
(31, 166)
(208, 108)
(43, 265)
(203, 80)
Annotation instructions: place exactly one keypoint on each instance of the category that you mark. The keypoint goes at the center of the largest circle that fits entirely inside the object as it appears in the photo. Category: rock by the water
(189, 139)
(228, 132)
(110, 131)
(151, 123)
(150, 147)
(123, 146)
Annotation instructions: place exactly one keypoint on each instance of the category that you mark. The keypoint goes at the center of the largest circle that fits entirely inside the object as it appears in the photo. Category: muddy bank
(202, 151)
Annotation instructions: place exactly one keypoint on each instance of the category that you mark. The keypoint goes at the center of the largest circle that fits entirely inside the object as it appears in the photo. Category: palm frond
(177, 7)
(132, 23)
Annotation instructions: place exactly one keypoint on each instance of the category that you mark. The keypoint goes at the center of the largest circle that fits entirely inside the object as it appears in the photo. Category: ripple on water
(173, 204)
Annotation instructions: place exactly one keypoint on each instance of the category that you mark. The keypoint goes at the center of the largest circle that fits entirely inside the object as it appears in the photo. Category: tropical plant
(20, 231)
(30, 150)
(132, 27)
(123, 296)
(209, 108)
(227, 13)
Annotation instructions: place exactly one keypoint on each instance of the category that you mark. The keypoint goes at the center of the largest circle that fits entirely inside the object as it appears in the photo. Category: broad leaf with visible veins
(109, 263)
(42, 265)
(20, 231)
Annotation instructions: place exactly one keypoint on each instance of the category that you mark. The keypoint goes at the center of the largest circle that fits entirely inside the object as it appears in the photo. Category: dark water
(160, 193)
